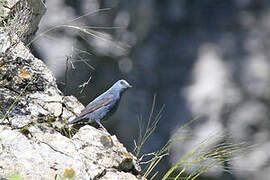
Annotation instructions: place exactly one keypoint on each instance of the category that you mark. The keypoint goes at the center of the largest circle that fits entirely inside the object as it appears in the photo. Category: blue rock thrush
(103, 106)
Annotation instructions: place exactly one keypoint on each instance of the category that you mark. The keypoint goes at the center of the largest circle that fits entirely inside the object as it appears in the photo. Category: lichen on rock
(34, 112)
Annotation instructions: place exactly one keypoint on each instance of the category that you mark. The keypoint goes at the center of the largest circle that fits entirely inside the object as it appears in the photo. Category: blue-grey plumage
(103, 106)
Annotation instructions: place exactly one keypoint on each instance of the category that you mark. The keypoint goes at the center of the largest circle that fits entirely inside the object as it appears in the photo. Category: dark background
(208, 58)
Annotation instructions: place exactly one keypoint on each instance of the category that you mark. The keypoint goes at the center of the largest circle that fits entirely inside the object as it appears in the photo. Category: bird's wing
(94, 106)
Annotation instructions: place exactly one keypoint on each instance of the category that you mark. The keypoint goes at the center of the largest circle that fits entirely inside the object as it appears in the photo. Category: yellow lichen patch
(116, 146)
(12, 42)
(69, 173)
(106, 141)
(109, 138)
(23, 74)
(126, 154)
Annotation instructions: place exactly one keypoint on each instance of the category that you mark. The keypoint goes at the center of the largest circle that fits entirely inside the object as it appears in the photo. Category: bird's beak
(129, 86)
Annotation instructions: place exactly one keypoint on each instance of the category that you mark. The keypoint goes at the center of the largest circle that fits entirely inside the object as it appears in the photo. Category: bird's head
(121, 85)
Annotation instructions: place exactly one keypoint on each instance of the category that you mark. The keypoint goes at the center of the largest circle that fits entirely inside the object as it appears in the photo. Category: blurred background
(201, 58)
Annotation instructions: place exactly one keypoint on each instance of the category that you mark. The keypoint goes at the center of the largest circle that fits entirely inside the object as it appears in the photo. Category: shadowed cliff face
(207, 58)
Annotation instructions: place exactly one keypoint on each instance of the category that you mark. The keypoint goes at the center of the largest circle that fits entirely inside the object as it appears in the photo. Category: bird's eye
(122, 83)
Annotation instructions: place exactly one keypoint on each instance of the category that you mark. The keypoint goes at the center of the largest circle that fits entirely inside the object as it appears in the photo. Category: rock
(34, 137)
(114, 175)
(72, 104)
(90, 153)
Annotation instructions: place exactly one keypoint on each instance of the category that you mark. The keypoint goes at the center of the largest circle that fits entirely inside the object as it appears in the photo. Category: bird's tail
(76, 120)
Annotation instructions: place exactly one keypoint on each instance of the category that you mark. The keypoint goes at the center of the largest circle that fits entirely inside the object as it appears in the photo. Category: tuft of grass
(89, 30)
(145, 133)
(51, 120)
(78, 55)
(206, 155)
(25, 130)
(67, 131)
(149, 129)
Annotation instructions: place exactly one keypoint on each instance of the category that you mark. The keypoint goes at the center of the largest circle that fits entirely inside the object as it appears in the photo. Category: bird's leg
(99, 123)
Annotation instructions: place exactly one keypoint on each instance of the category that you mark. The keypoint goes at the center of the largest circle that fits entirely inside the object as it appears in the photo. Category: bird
(102, 107)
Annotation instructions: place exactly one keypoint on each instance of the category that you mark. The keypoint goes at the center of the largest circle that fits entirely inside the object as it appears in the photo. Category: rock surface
(35, 141)
(44, 154)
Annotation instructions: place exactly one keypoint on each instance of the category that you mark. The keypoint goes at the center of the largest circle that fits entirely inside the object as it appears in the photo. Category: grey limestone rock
(33, 112)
